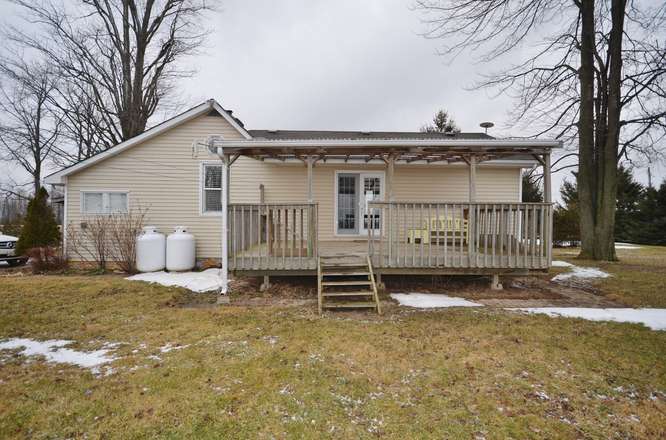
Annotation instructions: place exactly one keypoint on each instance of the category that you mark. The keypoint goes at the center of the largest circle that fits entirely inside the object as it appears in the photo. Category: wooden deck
(412, 259)
(404, 238)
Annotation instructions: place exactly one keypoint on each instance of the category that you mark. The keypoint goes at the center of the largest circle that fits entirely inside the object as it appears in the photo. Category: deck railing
(463, 235)
(272, 236)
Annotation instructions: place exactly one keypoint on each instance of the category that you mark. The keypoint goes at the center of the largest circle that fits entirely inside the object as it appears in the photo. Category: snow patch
(204, 281)
(170, 347)
(54, 351)
(619, 245)
(581, 273)
(559, 263)
(652, 318)
(429, 301)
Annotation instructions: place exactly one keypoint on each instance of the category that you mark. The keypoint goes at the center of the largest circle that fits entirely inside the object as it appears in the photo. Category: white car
(8, 251)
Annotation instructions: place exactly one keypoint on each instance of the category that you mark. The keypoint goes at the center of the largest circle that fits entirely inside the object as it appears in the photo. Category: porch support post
(472, 179)
(311, 211)
(471, 217)
(547, 191)
(390, 170)
(310, 163)
(222, 298)
(548, 198)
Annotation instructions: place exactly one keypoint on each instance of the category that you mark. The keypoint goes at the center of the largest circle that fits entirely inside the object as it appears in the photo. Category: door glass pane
(372, 191)
(347, 203)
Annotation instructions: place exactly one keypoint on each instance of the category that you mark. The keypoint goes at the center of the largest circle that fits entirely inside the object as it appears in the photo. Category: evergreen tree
(652, 217)
(441, 123)
(531, 190)
(40, 228)
(630, 194)
(566, 220)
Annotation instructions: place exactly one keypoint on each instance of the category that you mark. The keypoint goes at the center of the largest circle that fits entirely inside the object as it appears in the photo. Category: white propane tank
(150, 250)
(180, 250)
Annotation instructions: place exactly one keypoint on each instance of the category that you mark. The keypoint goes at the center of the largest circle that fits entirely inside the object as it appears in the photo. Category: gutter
(480, 144)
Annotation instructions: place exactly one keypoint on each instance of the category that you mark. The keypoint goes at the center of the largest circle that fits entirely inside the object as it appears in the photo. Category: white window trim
(105, 193)
(382, 178)
(202, 175)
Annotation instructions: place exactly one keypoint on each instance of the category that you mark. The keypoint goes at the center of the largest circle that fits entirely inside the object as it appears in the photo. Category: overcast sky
(344, 64)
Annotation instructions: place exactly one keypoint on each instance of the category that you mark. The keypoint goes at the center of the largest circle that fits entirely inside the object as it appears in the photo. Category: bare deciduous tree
(596, 79)
(119, 57)
(29, 127)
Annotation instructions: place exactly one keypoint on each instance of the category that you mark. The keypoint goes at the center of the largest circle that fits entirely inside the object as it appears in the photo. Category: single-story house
(405, 202)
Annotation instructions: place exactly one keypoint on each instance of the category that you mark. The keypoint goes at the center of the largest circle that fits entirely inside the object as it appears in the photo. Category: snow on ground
(559, 263)
(626, 246)
(581, 273)
(429, 301)
(652, 318)
(54, 351)
(195, 281)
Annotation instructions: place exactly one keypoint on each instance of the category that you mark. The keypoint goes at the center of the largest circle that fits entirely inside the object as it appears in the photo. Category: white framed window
(104, 202)
(211, 188)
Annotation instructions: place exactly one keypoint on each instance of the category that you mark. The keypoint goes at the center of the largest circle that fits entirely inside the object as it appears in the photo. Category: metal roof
(359, 135)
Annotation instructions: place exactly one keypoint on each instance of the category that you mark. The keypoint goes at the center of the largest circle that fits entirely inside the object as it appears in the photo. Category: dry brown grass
(284, 372)
(639, 277)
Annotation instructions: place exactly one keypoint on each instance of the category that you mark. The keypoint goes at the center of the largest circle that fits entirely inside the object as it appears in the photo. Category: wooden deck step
(350, 305)
(353, 293)
(336, 266)
(343, 272)
(347, 283)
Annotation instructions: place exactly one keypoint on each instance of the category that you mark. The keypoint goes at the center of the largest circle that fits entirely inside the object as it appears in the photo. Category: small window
(104, 202)
(212, 188)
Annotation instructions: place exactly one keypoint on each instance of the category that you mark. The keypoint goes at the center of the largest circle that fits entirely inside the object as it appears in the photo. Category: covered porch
(399, 236)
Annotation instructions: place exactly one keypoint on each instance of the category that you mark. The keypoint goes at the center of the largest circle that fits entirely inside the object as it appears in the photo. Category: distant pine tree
(531, 191)
(630, 194)
(651, 228)
(441, 123)
(566, 219)
(40, 227)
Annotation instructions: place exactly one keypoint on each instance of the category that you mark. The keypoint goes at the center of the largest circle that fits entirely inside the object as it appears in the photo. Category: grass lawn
(639, 278)
(284, 372)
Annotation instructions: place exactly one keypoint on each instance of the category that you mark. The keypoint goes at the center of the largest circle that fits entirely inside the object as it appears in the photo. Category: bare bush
(123, 231)
(46, 259)
(105, 238)
(90, 239)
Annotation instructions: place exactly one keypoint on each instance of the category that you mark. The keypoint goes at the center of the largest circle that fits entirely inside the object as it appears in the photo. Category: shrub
(40, 228)
(45, 259)
(105, 238)
(123, 231)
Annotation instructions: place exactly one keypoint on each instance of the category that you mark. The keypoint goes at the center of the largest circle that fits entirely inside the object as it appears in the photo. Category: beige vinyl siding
(288, 183)
(162, 175)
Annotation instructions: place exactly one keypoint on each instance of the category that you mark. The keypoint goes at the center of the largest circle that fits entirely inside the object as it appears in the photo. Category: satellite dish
(487, 125)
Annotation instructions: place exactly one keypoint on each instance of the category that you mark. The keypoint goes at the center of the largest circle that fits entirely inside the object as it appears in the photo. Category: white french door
(353, 192)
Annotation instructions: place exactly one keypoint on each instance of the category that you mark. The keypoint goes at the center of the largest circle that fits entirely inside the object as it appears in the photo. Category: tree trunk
(586, 157)
(605, 241)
